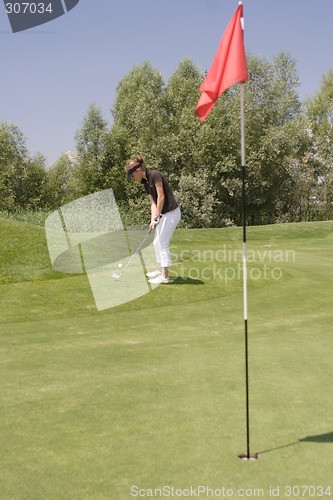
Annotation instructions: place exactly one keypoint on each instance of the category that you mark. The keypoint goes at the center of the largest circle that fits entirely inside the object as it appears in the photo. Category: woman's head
(136, 168)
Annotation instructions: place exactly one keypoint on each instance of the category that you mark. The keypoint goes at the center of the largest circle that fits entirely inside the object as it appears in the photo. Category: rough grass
(152, 393)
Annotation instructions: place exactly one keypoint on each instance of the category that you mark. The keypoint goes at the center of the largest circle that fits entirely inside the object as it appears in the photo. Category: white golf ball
(120, 266)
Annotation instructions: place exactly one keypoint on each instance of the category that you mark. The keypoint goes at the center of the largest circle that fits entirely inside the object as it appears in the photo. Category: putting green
(151, 394)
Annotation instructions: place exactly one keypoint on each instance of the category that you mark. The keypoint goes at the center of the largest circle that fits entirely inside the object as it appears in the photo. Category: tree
(63, 182)
(13, 153)
(117, 151)
(198, 201)
(177, 148)
(273, 132)
(139, 108)
(30, 187)
(21, 178)
(319, 111)
(90, 145)
(140, 124)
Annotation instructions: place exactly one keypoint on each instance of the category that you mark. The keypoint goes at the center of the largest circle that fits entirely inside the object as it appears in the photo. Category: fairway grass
(151, 394)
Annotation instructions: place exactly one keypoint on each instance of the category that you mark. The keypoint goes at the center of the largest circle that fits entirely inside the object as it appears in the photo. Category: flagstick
(229, 67)
(248, 455)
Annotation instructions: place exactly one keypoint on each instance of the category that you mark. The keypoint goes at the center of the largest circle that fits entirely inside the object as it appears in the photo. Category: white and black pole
(247, 455)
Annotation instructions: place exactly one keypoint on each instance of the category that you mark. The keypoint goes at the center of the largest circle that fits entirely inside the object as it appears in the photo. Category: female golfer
(164, 211)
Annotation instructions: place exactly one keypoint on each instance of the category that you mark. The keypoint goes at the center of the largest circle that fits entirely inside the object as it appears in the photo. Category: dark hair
(133, 165)
(137, 162)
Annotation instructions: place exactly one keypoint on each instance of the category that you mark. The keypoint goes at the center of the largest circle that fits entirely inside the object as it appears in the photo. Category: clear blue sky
(51, 74)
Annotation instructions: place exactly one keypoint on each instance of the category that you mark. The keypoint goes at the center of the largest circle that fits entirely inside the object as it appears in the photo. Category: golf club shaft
(136, 251)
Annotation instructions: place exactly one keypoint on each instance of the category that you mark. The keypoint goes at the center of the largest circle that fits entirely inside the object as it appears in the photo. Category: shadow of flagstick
(279, 447)
(319, 438)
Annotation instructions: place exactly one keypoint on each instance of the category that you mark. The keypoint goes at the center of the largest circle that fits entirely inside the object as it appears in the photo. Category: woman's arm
(160, 198)
(156, 208)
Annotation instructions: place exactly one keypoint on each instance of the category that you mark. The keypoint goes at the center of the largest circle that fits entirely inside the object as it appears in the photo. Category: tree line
(288, 149)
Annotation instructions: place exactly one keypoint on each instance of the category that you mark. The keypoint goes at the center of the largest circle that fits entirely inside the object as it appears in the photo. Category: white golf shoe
(153, 274)
(159, 280)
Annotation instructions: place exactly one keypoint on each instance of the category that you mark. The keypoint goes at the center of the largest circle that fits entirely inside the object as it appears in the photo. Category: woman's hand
(153, 223)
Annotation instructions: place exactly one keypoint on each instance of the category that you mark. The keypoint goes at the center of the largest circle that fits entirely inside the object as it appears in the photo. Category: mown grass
(152, 393)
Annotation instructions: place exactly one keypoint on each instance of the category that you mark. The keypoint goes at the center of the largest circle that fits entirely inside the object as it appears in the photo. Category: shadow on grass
(186, 281)
(319, 438)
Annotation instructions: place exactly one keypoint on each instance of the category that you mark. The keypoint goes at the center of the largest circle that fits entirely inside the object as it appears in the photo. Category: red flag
(228, 67)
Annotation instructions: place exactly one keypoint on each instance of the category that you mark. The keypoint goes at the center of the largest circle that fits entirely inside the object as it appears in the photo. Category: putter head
(115, 276)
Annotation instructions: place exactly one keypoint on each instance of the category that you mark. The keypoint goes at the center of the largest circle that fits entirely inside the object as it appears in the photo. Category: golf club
(117, 276)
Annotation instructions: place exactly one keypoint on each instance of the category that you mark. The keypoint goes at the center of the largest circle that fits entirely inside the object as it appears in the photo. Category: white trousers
(163, 234)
